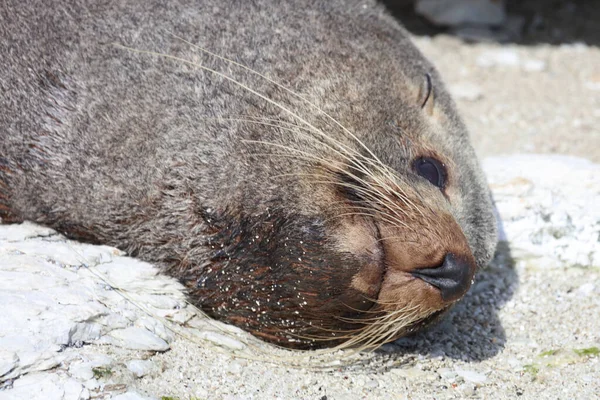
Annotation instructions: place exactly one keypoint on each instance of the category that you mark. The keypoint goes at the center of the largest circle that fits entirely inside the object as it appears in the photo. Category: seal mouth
(416, 286)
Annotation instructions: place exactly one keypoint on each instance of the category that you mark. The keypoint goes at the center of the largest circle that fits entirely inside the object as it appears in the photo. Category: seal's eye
(432, 170)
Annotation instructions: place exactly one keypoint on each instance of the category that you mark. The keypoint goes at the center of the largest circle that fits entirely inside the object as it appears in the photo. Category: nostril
(453, 277)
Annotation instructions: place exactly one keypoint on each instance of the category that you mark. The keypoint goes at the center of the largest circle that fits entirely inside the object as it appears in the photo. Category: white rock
(201, 393)
(8, 361)
(409, 373)
(135, 338)
(156, 327)
(81, 371)
(372, 384)
(74, 390)
(221, 340)
(236, 366)
(503, 57)
(533, 65)
(447, 373)
(26, 230)
(140, 367)
(586, 289)
(459, 12)
(466, 390)
(130, 396)
(45, 386)
(92, 384)
(548, 206)
(471, 376)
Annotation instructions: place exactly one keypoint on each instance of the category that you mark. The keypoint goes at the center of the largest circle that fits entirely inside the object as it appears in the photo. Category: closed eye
(351, 188)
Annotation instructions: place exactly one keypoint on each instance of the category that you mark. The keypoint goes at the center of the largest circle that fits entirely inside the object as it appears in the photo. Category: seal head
(319, 190)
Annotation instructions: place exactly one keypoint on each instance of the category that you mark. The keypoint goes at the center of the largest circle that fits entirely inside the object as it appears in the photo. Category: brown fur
(295, 213)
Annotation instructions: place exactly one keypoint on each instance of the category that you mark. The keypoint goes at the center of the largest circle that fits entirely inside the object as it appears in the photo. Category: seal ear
(426, 95)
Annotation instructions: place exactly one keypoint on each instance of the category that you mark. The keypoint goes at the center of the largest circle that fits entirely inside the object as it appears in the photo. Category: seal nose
(452, 278)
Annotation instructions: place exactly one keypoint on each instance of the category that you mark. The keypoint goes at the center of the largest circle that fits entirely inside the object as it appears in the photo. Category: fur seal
(315, 188)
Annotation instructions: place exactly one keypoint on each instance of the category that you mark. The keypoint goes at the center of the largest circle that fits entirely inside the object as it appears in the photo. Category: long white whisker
(381, 166)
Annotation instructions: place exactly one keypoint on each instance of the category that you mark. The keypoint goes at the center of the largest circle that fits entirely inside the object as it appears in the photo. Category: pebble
(140, 368)
(586, 289)
(130, 396)
(236, 366)
(471, 376)
(502, 57)
(533, 65)
(447, 374)
(372, 384)
(466, 389)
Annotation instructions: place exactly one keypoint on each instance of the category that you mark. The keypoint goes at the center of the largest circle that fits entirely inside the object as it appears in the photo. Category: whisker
(378, 163)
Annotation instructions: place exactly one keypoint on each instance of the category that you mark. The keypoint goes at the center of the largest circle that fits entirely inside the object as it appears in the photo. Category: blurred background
(524, 73)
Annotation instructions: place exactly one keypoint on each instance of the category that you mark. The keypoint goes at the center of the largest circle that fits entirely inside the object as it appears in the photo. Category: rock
(26, 230)
(81, 371)
(8, 361)
(221, 340)
(75, 390)
(201, 393)
(135, 338)
(533, 65)
(471, 376)
(237, 366)
(502, 57)
(460, 12)
(140, 367)
(553, 215)
(45, 386)
(586, 289)
(466, 390)
(447, 374)
(130, 396)
(372, 384)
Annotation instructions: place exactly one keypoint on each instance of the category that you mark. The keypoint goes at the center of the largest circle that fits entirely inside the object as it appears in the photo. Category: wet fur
(182, 167)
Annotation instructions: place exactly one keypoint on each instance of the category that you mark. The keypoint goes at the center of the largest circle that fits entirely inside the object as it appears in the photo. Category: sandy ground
(521, 98)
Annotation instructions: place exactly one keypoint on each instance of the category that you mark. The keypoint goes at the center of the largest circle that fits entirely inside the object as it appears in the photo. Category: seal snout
(452, 277)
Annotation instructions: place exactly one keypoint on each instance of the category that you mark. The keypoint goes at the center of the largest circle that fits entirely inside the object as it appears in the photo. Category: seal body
(314, 187)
